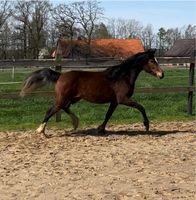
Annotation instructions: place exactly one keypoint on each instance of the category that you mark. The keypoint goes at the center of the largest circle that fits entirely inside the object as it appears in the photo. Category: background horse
(114, 85)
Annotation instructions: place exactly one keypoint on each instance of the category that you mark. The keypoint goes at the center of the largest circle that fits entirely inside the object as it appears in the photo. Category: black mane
(121, 70)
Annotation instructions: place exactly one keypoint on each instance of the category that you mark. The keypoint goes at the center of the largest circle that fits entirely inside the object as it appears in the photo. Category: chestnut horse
(115, 85)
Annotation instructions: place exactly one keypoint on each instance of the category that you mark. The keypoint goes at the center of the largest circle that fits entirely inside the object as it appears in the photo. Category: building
(111, 48)
(182, 48)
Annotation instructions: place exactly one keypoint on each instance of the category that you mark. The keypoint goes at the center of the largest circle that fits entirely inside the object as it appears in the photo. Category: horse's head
(152, 65)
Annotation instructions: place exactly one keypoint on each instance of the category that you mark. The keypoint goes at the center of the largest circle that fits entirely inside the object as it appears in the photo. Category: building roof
(116, 48)
(182, 48)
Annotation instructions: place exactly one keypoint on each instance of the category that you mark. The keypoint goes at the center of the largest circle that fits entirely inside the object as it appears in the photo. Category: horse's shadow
(94, 132)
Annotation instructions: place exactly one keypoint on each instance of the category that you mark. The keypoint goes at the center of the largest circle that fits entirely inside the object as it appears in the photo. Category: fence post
(58, 68)
(13, 73)
(13, 69)
(190, 94)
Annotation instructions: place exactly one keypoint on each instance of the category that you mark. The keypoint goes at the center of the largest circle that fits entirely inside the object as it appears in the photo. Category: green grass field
(27, 113)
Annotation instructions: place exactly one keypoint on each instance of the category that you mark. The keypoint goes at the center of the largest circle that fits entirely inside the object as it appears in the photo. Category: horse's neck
(133, 76)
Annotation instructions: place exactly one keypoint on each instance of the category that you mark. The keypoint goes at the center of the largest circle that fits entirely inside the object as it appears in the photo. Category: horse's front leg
(112, 107)
(138, 106)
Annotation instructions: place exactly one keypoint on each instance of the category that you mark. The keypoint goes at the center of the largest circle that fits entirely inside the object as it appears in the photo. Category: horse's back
(91, 86)
(81, 77)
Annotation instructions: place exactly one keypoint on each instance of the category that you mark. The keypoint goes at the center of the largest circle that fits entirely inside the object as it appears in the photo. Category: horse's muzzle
(160, 75)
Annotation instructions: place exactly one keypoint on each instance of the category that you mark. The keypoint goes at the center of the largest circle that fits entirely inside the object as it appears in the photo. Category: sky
(167, 14)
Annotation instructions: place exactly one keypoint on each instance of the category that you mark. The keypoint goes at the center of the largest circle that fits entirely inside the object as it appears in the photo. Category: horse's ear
(151, 52)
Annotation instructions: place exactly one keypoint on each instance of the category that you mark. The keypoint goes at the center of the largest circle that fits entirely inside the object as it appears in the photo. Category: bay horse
(114, 85)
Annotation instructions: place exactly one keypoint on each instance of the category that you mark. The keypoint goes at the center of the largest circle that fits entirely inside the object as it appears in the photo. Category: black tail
(38, 79)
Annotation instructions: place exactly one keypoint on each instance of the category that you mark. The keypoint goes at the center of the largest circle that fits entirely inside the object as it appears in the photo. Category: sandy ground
(125, 164)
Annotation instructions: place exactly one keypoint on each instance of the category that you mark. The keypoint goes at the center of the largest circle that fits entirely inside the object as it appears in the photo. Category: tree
(172, 35)
(31, 19)
(52, 33)
(22, 17)
(65, 22)
(161, 40)
(101, 31)
(5, 12)
(65, 19)
(87, 15)
(111, 27)
(37, 26)
(190, 32)
(5, 43)
(147, 36)
(123, 28)
(134, 28)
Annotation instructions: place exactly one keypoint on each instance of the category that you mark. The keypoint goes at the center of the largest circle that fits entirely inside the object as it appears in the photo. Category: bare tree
(87, 15)
(30, 25)
(172, 34)
(147, 36)
(22, 17)
(121, 28)
(190, 32)
(52, 33)
(118, 28)
(37, 25)
(101, 31)
(65, 22)
(65, 19)
(5, 41)
(111, 27)
(5, 11)
(134, 28)
(124, 28)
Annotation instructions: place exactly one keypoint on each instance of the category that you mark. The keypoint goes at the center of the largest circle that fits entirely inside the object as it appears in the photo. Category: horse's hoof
(146, 124)
(147, 129)
(38, 131)
(41, 128)
(101, 130)
(75, 123)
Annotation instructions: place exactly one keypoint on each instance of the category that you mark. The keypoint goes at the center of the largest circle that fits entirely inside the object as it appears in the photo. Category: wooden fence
(100, 64)
(92, 63)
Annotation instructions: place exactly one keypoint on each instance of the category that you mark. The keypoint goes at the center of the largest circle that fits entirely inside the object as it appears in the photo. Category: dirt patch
(125, 164)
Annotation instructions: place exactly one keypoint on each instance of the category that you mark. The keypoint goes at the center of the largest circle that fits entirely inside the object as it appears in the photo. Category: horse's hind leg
(51, 111)
(74, 118)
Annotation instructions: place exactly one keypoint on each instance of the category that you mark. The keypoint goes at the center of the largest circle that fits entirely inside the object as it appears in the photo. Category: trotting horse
(114, 85)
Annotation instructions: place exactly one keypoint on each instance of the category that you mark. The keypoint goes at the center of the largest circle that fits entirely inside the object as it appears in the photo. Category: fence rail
(93, 62)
